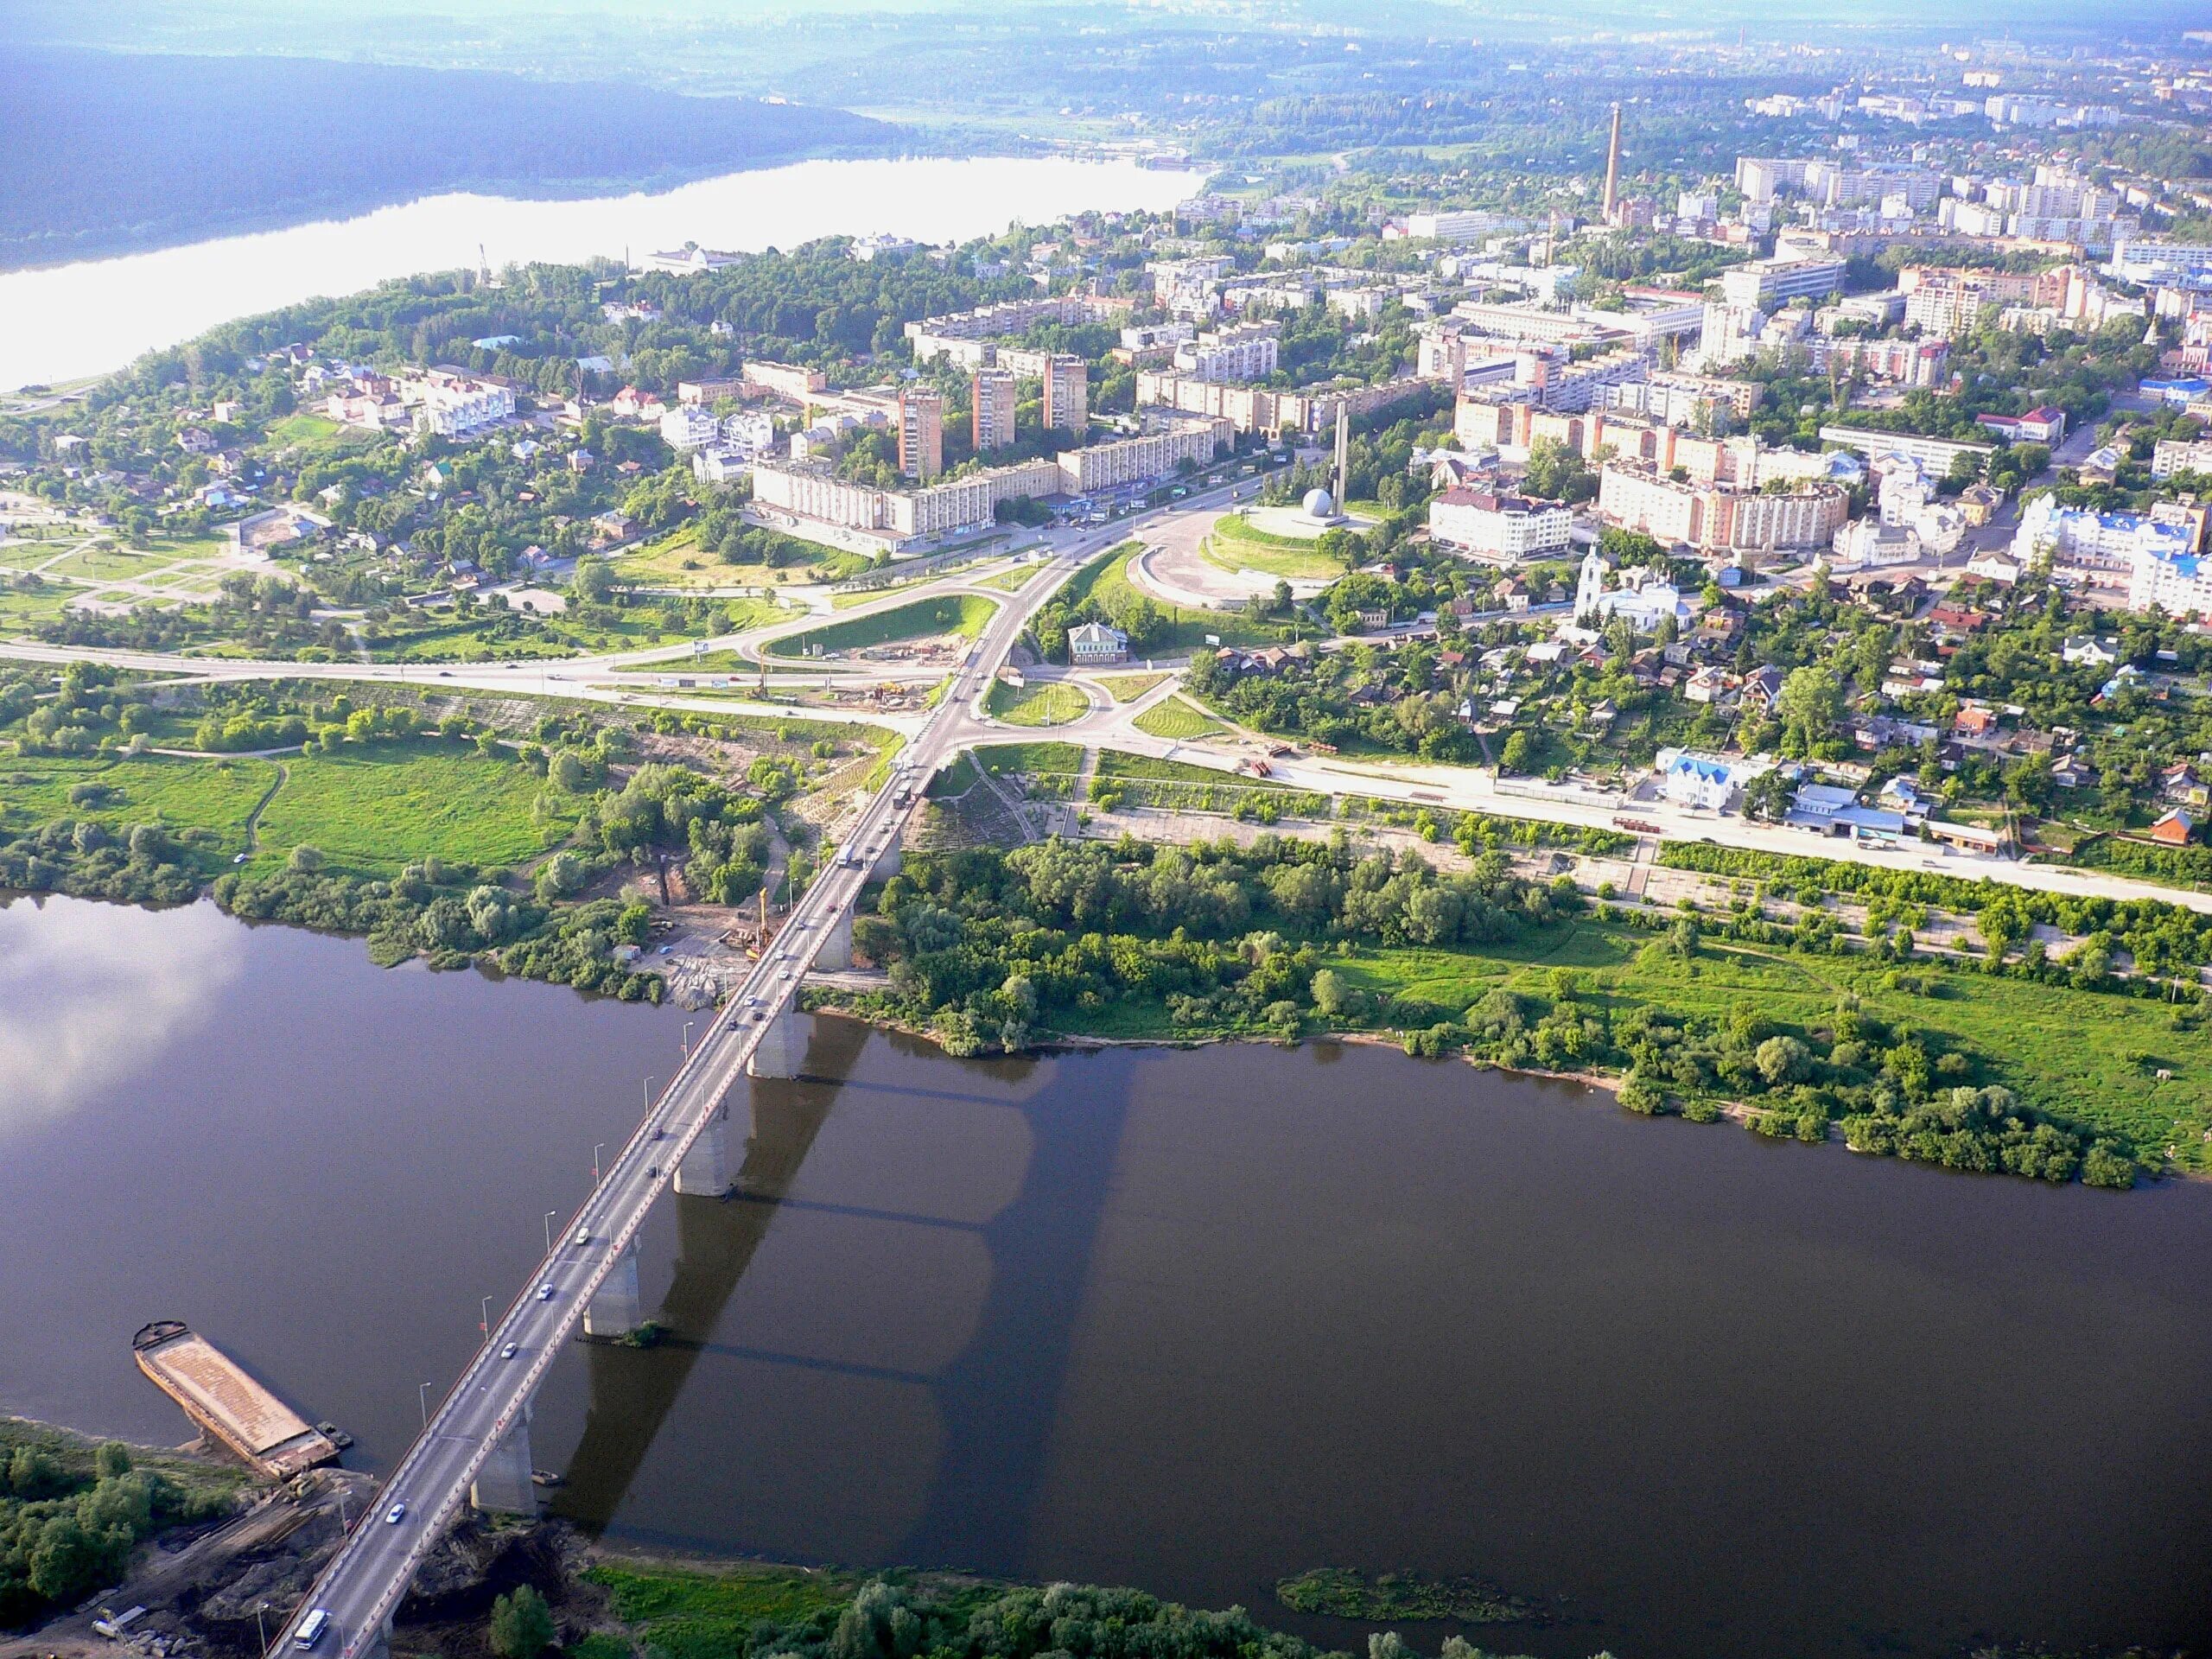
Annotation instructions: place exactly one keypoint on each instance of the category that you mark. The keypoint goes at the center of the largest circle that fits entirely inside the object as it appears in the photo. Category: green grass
(1128, 688)
(18, 610)
(1038, 759)
(1011, 581)
(964, 615)
(1109, 583)
(1038, 704)
(711, 1615)
(1120, 763)
(676, 560)
(1235, 543)
(212, 795)
(954, 780)
(372, 809)
(1179, 720)
(2067, 1052)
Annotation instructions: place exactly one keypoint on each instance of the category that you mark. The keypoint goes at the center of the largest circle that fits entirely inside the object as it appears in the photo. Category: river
(97, 315)
(1192, 1321)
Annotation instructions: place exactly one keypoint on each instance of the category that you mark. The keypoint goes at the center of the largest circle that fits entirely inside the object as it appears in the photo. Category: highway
(366, 1579)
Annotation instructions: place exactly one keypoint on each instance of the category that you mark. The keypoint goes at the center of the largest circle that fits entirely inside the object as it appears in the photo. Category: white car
(395, 1514)
(509, 1351)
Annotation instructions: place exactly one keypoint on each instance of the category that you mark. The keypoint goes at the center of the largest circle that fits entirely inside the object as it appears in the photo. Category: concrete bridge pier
(705, 1172)
(893, 861)
(837, 953)
(504, 1483)
(616, 1307)
(782, 1049)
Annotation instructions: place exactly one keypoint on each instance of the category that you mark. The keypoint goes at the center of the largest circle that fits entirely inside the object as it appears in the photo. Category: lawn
(1011, 581)
(216, 795)
(20, 609)
(1233, 544)
(372, 809)
(676, 560)
(1128, 688)
(2081, 1056)
(963, 615)
(1046, 703)
(709, 1615)
(1120, 763)
(111, 564)
(1039, 759)
(1109, 583)
(1179, 719)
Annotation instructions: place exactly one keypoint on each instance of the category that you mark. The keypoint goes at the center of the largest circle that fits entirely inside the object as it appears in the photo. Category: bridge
(474, 1448)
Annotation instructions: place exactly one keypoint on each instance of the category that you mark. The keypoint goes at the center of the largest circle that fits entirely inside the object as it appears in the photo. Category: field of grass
(373, 809)
(676, 560)
(1046, 704)
(2081, 1056)
(1039, 759)
(1179, 720)
(710, 1615)
(961, 614)
(1234, 544)
(1128, 688)
(1120, 763)
(216, 795)
(1011, 581)
(1109, 583)
(111, 564)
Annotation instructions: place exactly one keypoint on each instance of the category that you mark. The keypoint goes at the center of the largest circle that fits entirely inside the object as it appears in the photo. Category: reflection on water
(1192, 1321)
(97, 315)
(85, 1009)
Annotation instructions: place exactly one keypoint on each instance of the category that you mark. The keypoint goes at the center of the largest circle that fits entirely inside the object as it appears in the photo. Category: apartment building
(896, 516)
(1762, 179)
(1935, 453)
(2173, 455)
(1718, 517)
(689, 426)
(991, 395)
(1506, 527)
(1249, 352)
(959, 335)
(1067, 393)
(1137, 460)
(1765, 283)
(785, 380)
(921, 434)
(1255, 408)
(1681, 400)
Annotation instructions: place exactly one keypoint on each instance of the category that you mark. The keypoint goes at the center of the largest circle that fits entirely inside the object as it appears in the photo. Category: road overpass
(475, 1446)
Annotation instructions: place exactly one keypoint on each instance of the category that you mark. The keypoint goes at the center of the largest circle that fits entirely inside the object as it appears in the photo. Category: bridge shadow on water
(994, 1401)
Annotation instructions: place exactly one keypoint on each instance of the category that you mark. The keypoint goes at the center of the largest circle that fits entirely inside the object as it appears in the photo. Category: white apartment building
(689, 426)
(991, 400)
(1506, 527)
(1721, 518)
(1140, 460)
(455, 406)
(1765, 283)
(1247, 352)
(1469, 225)
(2173, 455)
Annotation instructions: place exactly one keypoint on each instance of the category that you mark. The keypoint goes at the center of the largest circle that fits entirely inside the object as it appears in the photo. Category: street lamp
(595, 1151)
(688, 1024)
(260, 1629)
(549, 1214)
(422, 1401)
(485, 1323)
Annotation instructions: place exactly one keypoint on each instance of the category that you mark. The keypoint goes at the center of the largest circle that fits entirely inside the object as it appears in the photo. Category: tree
(1810, 703)
(1331, 992)
(593, 583)
(1781, 1060)
(521, 1624)
(1515, 757)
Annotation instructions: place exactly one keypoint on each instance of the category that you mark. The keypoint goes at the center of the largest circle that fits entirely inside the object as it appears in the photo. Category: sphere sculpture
(1319, 503)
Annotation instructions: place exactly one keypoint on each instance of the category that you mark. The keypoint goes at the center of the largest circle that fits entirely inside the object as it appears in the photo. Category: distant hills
(112, 152)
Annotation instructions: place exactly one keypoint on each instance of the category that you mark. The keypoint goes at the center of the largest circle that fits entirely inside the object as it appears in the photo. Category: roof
(1704, 770)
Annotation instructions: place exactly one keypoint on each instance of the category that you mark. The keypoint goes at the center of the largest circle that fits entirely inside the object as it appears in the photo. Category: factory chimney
(1613, 166)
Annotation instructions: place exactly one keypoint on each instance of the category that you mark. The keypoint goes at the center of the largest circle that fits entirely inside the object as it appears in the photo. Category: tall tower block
(1613, 166)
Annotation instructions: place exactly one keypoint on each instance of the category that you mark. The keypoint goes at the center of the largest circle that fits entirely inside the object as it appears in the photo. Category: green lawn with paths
(1048, 702)
(1178, 720)
(964, 615)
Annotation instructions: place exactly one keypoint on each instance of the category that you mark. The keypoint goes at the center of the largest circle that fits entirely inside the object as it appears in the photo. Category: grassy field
(961, 614)
(1041, 759)
(676, 560)
(1120, 763)
(216, 795)
(372, 809)
(1128, 688)
(1234, 544)
(1179, 719)
(1049, 703)
(1011, 581)
(2077, 1055)
(1109, 583)
(711, 1615)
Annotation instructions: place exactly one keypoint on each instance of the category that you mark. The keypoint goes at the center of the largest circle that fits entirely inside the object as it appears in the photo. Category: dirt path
(253, 819)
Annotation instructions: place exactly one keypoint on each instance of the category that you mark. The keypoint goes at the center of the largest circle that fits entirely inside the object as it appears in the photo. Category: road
(366, 1581)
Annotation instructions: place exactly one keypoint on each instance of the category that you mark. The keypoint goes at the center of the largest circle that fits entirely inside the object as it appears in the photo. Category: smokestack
(1613, 166)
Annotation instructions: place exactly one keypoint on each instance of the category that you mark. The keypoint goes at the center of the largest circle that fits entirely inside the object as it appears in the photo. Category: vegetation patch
(1345, 1593)
(1179, 720)
(1040, 702)
(1128, 688)
(963, 615)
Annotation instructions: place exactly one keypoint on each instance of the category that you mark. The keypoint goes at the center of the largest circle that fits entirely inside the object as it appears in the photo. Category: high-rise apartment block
(992, 395)
(1067, 394)
(921, 433)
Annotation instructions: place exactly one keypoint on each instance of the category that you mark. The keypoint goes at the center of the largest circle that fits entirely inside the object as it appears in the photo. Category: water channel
(97, 315)
(1192, 1321)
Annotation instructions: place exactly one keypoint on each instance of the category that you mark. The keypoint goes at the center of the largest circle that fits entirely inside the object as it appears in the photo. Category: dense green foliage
(69, 1519)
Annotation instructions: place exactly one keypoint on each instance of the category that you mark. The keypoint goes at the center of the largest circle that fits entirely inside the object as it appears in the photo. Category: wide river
(99, 314)
(1192, 1321)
